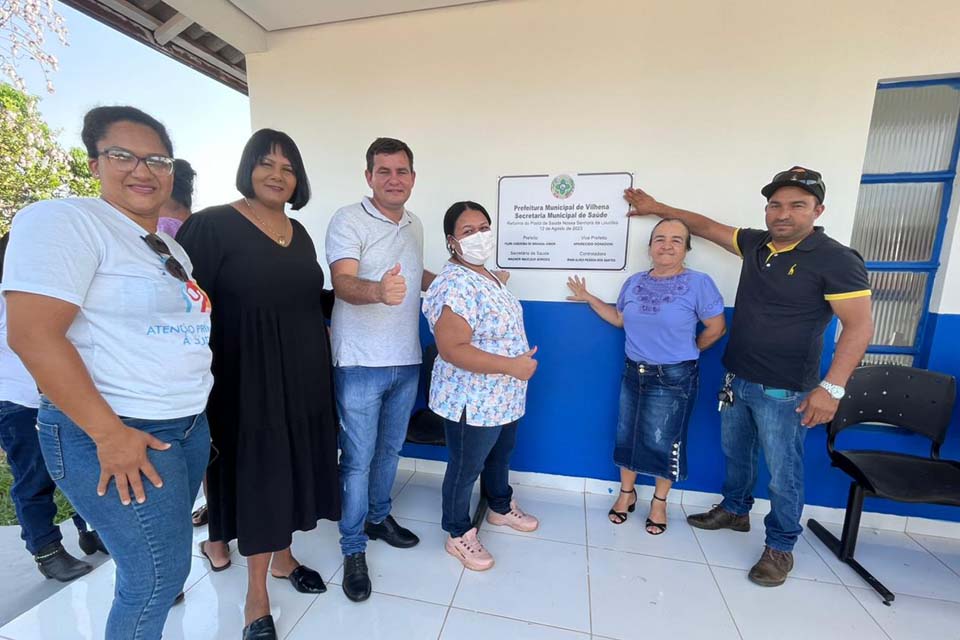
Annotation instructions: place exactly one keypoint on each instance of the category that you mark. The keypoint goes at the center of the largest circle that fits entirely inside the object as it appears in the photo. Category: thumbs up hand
(393, 286)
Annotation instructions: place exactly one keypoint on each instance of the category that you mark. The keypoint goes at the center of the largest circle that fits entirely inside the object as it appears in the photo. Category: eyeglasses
(171, 264)
(803, 177)
(128, 161)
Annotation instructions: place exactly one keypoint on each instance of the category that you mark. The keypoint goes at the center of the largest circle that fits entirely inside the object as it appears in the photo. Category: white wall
(703, 102)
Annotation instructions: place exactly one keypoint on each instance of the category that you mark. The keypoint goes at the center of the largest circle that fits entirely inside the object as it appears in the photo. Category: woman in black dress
(274, 465)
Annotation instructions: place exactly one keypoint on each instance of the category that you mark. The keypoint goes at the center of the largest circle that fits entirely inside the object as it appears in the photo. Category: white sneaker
(470, 551)
(515, 518)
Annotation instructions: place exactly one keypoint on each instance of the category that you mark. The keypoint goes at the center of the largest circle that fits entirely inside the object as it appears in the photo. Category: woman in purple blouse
(177, 209)
(659, 310)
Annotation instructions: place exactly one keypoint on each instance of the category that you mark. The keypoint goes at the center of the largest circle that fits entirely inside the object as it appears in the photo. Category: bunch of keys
(725, 395)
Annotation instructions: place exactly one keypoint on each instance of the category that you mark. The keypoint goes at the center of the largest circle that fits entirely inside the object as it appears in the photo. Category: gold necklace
(280, 238)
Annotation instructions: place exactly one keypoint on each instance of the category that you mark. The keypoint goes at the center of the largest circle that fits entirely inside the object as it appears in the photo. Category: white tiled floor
(578, 577)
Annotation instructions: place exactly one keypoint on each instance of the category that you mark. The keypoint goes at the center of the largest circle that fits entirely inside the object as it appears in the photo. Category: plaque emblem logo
(562, 187)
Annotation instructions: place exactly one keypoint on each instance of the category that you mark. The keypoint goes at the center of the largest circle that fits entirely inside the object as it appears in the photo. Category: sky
(208, 122)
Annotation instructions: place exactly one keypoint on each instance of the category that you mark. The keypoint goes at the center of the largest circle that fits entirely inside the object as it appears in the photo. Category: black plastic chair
(915, 400)
(426, 427)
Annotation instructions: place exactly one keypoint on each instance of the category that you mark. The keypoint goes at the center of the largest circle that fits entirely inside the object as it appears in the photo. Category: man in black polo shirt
(793, 280)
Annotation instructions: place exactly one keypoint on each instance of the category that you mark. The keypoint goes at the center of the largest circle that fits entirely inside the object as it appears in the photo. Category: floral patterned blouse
(496, 318)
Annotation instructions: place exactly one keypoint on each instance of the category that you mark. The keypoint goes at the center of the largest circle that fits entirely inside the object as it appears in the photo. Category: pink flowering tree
(24, 27)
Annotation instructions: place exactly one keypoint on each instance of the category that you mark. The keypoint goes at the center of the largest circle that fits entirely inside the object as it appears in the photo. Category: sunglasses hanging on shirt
(171, 264)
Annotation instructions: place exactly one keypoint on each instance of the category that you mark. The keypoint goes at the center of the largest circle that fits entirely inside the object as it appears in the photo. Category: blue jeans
(656, 401)
(473, 450)
(150, 542)
(32, 490)
(374, 405)
(764, 418)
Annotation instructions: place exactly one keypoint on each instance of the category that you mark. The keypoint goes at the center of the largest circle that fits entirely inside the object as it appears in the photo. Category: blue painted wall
(572, 411)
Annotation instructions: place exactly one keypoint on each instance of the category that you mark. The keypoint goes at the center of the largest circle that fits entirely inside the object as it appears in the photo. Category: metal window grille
(905, 191)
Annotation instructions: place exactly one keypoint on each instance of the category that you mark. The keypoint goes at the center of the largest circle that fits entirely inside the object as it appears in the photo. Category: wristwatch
(836, 391)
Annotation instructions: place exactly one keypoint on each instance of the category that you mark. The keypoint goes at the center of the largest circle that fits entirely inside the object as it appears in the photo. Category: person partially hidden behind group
(479, 382)
(33, 488)
(173, 214)
(272, 410)
(93, 293)
(178, 207)
(659, 310)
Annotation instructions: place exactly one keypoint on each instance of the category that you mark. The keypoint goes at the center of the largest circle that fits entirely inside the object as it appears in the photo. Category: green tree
(33, 166)
(81, 182)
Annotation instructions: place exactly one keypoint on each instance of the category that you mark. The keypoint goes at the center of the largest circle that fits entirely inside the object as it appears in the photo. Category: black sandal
(659, 526)
(621, 516)
(200, 516)
(214, 567)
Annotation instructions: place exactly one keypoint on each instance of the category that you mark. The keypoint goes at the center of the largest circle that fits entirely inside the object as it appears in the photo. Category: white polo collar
(372, 210)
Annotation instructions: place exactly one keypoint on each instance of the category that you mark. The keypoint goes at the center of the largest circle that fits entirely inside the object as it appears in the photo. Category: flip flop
(200, 517)
(214, 567)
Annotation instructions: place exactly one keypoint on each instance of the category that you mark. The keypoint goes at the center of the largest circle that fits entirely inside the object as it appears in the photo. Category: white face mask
(476, 249)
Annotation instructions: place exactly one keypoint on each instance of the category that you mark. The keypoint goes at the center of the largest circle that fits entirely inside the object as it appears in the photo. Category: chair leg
(844, 547)
(851, 522)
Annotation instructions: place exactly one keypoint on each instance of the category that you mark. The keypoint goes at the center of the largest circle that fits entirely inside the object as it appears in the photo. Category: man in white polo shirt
(375, 251)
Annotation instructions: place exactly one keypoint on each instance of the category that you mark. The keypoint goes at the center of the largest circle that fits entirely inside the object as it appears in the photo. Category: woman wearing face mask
(479, 380)
(659, 310)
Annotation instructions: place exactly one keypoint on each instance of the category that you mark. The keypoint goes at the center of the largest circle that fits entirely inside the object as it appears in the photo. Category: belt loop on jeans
(641, 367)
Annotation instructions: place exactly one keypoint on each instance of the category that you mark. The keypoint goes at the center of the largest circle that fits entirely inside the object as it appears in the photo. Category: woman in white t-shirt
(104, 314)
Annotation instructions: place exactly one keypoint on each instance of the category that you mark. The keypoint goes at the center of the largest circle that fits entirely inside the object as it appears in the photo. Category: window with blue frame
(901, 217)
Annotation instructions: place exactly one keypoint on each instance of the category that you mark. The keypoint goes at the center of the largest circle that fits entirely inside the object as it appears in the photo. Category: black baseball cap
(806, 179)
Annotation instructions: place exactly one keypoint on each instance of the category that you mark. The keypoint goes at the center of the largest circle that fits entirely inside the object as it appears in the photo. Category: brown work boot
(772, 568)
(718, 518)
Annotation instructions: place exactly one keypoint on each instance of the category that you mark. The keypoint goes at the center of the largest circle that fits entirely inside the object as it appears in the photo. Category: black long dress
(272, 414)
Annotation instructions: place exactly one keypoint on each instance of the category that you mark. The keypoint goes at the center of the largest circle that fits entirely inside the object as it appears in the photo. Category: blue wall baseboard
(572, 411)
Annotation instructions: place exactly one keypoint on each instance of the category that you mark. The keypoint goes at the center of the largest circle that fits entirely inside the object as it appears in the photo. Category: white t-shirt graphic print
(142, 334)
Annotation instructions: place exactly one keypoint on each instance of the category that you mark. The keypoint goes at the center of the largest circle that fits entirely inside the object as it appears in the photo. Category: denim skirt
(655, 406)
